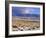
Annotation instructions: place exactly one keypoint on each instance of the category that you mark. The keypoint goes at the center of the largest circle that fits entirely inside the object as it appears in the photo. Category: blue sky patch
(25, 11)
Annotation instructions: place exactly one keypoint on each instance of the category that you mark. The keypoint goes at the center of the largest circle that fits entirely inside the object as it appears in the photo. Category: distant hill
(28, 15)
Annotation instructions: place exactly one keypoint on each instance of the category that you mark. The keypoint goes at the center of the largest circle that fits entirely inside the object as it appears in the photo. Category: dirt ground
(25, 24)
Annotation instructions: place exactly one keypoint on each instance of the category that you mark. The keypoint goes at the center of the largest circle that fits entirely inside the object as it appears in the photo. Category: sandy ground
(22, 25)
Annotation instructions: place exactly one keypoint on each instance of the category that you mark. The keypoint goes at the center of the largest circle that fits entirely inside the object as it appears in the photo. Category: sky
(19, 11)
